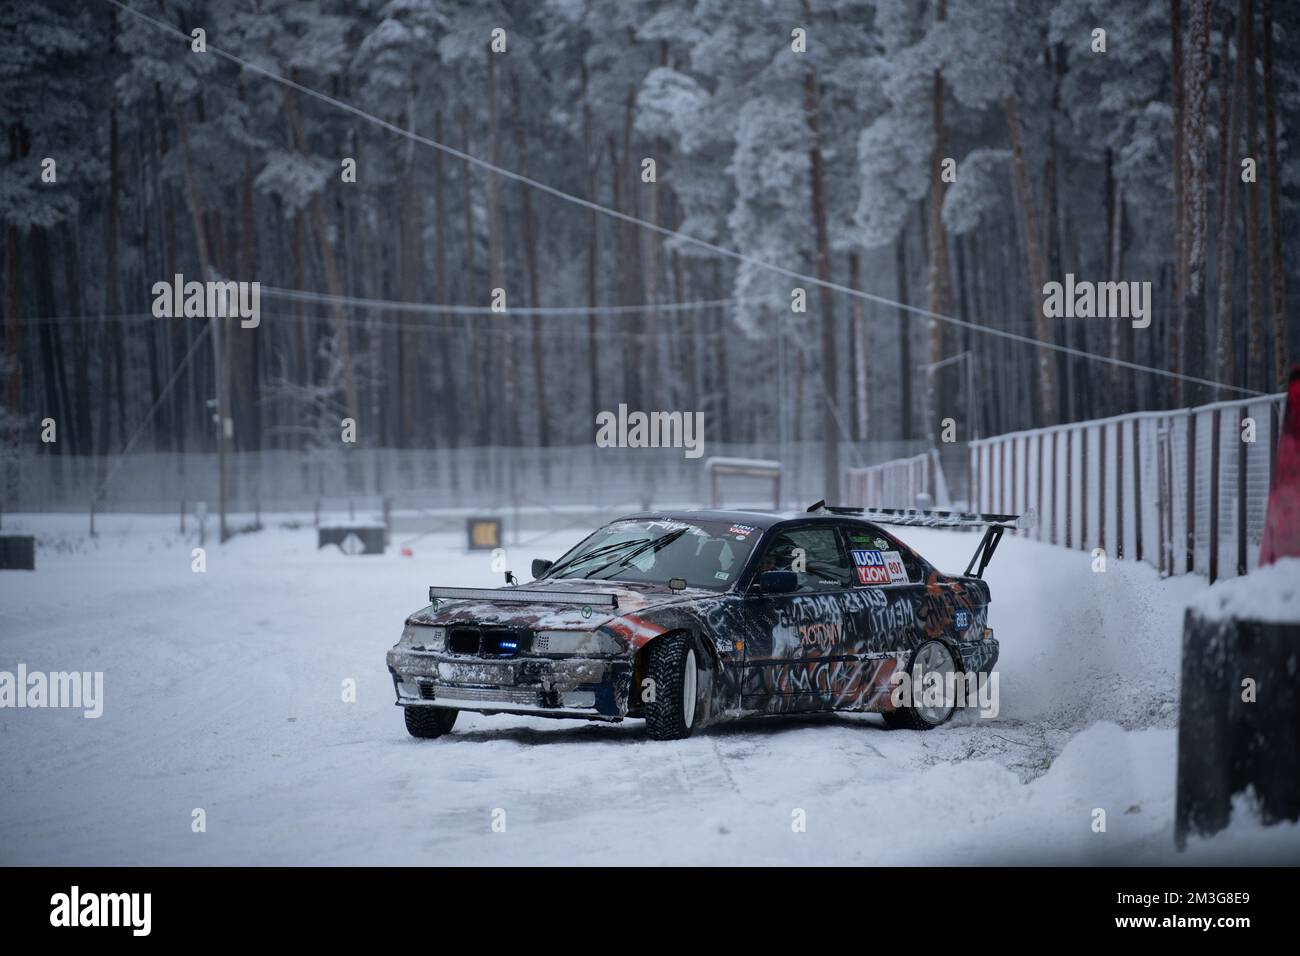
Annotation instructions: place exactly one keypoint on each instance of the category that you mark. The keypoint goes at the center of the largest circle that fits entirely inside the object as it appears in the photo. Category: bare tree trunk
(329, 263)
(904, 337)
(1197, 70)
(530, 260)
(479, 368)
(219, 379)
(410, 263)
(1034, 259)
(496, 259)
(1178, 95)
(829, 378)
(592, 158)
(1112, 255)
(13, 328)
(858, 336)
(1254, 376)
(1224, 351)
(1277, 276)
(449, 419)
(940, 274)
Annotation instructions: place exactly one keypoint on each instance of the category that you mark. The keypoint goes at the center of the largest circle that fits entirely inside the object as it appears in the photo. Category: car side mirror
(778, 582)
(540, 567)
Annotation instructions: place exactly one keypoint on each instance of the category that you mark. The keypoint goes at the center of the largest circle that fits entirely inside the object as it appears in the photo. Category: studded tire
(429, 722)
(671, 664)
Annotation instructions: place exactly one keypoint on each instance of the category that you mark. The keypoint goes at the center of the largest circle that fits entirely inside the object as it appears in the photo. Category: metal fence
(497, 479)
(902, 483)
(1183, 490)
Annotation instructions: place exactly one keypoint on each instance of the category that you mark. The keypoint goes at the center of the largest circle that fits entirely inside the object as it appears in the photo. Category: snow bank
(1270, 594)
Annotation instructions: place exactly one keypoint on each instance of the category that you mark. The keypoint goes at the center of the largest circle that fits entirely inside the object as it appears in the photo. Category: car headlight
(586, 643)
(424, 637)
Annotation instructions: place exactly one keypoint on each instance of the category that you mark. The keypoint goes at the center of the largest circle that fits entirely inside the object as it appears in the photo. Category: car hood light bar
(524, 596)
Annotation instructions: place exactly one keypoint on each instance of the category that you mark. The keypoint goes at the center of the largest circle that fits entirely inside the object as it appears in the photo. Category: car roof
(757, 519)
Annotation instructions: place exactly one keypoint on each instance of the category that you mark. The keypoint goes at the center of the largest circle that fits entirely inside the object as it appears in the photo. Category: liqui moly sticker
(870, 566)
(879, 567)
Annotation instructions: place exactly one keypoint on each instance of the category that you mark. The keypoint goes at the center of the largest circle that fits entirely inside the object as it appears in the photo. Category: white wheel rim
(688, 690)
(931, 659)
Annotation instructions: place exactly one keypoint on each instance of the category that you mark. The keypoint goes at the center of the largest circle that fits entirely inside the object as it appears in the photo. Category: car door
(790, 653)
(880, 624)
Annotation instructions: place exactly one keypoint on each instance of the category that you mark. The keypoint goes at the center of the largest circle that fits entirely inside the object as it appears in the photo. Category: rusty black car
(687, 618)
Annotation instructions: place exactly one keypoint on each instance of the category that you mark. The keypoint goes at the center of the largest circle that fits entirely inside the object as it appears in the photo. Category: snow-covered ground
(225, 691)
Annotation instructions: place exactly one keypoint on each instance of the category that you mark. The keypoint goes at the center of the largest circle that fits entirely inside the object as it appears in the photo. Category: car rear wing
(525, 596)
(994, 525)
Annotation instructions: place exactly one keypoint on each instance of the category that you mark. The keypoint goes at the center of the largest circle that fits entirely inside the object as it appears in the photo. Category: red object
(1282, 520)
(408, 553)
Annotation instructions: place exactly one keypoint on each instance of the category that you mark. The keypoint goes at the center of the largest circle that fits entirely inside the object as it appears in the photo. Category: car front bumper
(587, 688)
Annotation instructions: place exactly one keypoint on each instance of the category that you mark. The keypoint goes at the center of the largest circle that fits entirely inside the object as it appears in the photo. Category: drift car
(687, 618)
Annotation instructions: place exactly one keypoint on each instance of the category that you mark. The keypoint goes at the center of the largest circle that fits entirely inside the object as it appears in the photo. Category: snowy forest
(477, 224)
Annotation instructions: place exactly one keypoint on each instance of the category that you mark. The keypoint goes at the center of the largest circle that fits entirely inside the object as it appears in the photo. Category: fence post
(1137, 490)
(1214, 495)
(1191, 492)
(1013, 443)
(1069, 487)
(182, 516)
(1119, 490)
(1272, 442)
(1002, 480)
(1083, 489)
(1054, 484)
(1025, 478)
(1101, 487)
(1169, 483)
(986, 476)
(1241, 494)
(1038, 481)
(1164, 482)
(970, 479)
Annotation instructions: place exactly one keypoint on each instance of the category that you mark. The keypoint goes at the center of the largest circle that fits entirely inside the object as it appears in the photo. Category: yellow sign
(484, 533)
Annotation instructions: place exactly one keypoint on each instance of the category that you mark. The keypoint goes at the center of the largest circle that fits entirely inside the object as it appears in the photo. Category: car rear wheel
(428, 722)
(672, 667)
(932, 657)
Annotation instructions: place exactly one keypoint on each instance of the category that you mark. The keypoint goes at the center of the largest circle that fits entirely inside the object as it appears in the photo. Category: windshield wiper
(652, 545)
(593, 553)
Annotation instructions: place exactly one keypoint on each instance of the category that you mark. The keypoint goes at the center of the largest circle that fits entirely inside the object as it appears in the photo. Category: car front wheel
(429, 722)
(672, 669)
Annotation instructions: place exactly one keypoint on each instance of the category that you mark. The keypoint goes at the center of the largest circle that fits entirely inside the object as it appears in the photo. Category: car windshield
(705, 554)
